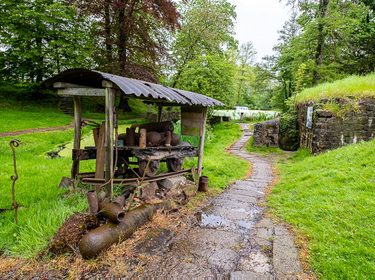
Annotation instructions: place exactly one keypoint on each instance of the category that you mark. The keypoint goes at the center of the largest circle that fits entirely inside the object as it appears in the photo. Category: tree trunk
(323, 11)
(107, 28)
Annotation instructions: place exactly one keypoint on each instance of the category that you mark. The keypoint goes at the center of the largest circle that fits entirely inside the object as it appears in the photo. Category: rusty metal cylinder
(101, 196)
(153, 139)
(103, 237)
(142, 137)
(114, 213)
(175, 139)
(168, 138)
(203, 184)
(130, 137)
(119, 201)
(93, 202)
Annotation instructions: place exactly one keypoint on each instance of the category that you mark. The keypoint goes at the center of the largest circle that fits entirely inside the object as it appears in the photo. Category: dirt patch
(67, 238)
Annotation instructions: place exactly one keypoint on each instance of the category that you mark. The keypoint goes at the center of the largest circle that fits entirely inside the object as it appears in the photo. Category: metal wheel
(174, 164)
(122, 165)
(152, 169)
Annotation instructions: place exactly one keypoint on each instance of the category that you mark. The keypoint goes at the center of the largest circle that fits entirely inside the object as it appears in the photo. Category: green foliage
(39, 38)
(211, 75)
(330, 199)
(207, 28)
(330, 40)
(288, 128)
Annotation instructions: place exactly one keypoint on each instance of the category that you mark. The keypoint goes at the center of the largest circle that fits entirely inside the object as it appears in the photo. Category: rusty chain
(14, 143)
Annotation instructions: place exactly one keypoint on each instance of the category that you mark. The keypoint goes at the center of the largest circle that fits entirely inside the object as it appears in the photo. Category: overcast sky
(258, 21)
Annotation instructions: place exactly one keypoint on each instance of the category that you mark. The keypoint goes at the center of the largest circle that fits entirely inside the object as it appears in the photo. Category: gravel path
(231, 238)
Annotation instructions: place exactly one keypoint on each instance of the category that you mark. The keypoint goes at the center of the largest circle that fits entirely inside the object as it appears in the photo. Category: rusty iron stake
(14, 143)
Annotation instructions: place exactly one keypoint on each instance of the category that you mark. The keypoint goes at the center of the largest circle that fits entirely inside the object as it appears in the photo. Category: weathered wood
(109, 105)
(77, 133)
(60, 85)
(201, 141)
(160, 111)
(100, 154)
(81, 91)
(192, 119)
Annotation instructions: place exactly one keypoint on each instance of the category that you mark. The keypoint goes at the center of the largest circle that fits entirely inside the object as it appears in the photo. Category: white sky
(258, 21)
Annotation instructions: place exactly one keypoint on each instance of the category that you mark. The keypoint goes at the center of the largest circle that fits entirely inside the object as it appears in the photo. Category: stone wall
(266, 134)
(354, 122)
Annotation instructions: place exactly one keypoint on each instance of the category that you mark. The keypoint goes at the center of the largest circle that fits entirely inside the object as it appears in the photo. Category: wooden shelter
(79, 83)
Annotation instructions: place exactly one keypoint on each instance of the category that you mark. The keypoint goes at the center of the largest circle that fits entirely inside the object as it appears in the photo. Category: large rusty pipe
(142, 137)
(101, 238)
(93, 201)
(111, 211)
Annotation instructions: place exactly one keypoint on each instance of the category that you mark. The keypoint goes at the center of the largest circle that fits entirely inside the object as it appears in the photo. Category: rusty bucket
(203, 184)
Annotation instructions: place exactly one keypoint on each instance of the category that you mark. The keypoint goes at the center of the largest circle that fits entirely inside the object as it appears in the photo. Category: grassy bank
(330, 200)
(44, 207)
(353, 86)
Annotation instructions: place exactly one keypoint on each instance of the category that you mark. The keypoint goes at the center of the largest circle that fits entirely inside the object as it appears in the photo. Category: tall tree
(131, 35)
(207, 27)
(211, 75)
(39, 38)
(245, 75)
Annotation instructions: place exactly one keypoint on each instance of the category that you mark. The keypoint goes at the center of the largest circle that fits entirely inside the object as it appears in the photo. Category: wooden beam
(109, 168)
(100, 154)
(82, 91)
(68, 85)
(160, 111)
(201, 142)
(77, 133)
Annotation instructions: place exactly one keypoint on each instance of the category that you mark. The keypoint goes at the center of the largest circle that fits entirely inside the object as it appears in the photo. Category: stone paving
(231, 238)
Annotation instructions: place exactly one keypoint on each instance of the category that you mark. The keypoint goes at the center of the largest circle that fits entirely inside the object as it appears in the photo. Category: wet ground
(230, 237)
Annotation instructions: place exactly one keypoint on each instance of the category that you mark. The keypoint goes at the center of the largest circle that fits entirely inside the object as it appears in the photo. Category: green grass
(220, 167)
(42, 206)
(12, 120)
(262, 150)
(353, 86)
(330, 200)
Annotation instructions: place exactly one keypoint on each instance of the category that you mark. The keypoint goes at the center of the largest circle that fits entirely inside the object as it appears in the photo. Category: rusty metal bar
(98, 181)
(14, 143)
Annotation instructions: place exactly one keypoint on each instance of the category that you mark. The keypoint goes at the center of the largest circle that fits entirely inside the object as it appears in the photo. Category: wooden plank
(100, 153)
(109, 169)
(82, 91)
(192, 120)
(201, 142)
(68, 85)
(77, 133)
(160, 111)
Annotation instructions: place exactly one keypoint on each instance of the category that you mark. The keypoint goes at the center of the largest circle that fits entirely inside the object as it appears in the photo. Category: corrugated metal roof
(135, 87)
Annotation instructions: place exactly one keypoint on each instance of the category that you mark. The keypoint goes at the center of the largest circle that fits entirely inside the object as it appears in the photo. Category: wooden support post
(160, 111)
(201, 141)
(109, 104)
(100, 154)
(77, 133)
